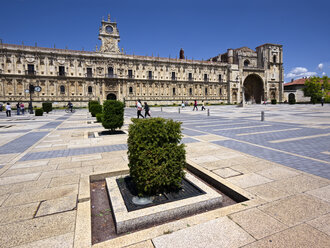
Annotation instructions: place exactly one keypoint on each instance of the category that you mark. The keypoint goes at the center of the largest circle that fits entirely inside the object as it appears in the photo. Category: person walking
(146, 109)
(182, 104)
(203, 106)
(8, 110)
(22, 108)
(70, 106)
(139, 109)
(18, 106)
(195, 106)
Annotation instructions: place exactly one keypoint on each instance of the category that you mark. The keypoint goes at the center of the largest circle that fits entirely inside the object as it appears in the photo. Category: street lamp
(322, 100)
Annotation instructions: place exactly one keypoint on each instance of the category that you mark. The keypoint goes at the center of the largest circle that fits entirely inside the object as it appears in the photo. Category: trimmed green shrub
(99, 117)
(95, 109)
(39, 112)
(273, 101)
(91, 103)
(47, 107)
(292, 101)
(113, 114)
(156, 157)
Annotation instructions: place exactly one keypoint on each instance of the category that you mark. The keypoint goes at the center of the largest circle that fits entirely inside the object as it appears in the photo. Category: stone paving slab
(41, 195)
(221, 232)
(37, 229)
(19, 178)
(298, 236)
(296, 209)
(60, 241)
(18, 213)
(257, 223)
(321, 223)
(57, 205)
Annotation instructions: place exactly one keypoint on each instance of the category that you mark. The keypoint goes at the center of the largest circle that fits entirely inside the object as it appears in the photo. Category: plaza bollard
(179, 110)
(161, 109)
(208, 112)
(262, 115)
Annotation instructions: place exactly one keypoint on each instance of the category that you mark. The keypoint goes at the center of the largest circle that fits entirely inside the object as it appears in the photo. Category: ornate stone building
(79, 76)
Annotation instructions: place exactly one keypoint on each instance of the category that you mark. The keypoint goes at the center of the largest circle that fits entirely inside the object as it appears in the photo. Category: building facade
(108, 73)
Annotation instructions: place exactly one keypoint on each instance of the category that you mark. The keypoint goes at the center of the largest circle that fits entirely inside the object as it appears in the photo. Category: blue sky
(202, 28)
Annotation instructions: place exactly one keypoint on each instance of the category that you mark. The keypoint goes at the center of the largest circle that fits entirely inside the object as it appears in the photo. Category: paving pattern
(282, 163)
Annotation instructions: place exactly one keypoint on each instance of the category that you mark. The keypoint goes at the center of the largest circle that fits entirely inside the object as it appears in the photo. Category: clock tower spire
(109, 36)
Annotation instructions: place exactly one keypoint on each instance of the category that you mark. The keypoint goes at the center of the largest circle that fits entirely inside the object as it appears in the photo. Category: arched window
(130, 90)
(62, 89)
(274, 58)
(110, 72)
(90, 90)
(246, 62)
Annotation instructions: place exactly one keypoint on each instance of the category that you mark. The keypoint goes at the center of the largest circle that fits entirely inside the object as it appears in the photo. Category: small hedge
(273, 101)
(47, 107)
(95, 109)
(292, 101)
(39, 112)
(91, 103)
(99, 117)
(113, 115)
(156, 157)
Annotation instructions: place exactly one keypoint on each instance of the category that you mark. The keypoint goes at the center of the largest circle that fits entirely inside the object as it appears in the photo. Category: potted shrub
(47, 107)
(113, 115)
(95, 108)
(156, 157)
(91, 103)
(39, 112)
(99, 117)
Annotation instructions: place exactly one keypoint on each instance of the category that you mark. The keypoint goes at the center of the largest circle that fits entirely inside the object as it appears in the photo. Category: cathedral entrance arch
(111, 96)
(292, 97)
(253, 89)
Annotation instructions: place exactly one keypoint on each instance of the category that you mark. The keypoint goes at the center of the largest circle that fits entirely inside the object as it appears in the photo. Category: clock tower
(109, 36)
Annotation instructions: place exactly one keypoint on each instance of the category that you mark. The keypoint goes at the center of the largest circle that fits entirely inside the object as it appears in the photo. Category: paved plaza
(283, 162)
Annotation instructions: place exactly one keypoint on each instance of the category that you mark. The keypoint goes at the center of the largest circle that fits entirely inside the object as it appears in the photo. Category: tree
(113, 114)
(313, 88)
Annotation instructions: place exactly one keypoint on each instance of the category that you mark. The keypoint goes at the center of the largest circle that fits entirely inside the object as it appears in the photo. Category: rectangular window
(190, 91)
(205, 91)
(205, 77)
(190, 76)
(110, 72)
(61, 71)
(89, 72)
(130, 74)
(220, 78)
(30, 69)
(173, 91)
(150, 74)
(220, 91)
(173, 75)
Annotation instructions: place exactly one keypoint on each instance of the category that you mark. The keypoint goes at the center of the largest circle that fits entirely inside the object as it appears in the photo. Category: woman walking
(8, 110)
(139, 109)
(146, 109)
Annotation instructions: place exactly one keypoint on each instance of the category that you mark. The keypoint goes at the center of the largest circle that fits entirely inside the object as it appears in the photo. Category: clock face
(37, 88)
(109, 29)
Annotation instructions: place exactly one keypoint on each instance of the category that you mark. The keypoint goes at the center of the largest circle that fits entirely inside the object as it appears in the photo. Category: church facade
(107, 73)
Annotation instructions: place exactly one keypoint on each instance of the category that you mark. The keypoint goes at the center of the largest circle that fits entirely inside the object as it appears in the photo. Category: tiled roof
(300, 81)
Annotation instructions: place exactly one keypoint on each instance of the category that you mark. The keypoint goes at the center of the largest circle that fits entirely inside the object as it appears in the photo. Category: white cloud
(323, 74)
(300, 72)
(320, 66)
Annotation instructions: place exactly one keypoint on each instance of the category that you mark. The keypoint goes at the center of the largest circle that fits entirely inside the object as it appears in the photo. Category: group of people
(139, 108)
(195, 105)
(19, 106)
